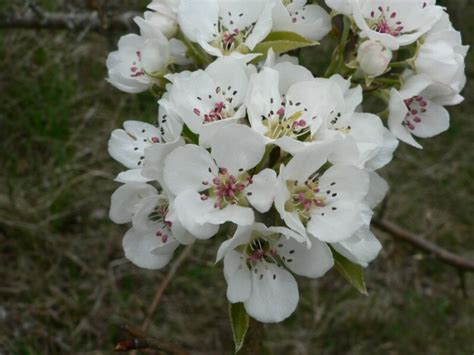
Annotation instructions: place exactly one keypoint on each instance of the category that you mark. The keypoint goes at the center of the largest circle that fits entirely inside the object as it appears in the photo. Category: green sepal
(240, 321)
(352, 272)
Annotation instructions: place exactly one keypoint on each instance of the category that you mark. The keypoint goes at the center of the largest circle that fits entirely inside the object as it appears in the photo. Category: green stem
(254, 340)
(201, 58)
(403, 64)
(338, 55)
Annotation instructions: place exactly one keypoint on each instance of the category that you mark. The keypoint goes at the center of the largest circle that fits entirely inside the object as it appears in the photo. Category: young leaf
(282, 42)
(240, 321)
(351, 272)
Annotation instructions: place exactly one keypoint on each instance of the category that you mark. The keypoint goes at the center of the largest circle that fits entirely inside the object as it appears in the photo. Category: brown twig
(90, 20)
(161, 289)
(425, 245)
(141, 341)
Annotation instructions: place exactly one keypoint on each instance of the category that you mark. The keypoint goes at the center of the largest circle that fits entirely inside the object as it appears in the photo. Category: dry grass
(66, 287)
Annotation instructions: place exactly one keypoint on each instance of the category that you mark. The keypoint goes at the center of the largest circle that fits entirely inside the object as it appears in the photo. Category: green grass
(66, 287)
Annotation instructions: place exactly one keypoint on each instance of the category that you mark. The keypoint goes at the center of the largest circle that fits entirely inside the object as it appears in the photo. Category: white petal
(378, 188)
(125, 199)
(178, 231)
(398, 112)
(138, 249)
(241, 236)
(237, 276)
(336, 225)
(282, 195)
(290, 74)
(274, 294)
(311, 262)
(237, 148)
(127, 146)
(261, 192)
(344, 182)
(155, 156)
(242, 216)
(361, 248)
(307, 162)
(196, 18)
(187, 168)
(131, 176)
(191, 212)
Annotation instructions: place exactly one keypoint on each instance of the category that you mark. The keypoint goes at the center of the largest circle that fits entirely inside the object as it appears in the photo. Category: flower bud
(373, 58)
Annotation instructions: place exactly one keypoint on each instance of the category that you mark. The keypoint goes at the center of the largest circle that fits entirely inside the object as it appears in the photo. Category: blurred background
(66, 288)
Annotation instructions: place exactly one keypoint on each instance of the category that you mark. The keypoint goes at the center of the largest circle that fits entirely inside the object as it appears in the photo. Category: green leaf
(282, 42)
(353, 273)
(240, 321)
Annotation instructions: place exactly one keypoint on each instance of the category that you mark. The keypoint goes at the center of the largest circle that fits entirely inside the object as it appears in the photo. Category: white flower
(309, 21)
(344, 7)
(129, 145)
(373, 58)
(156, 232)
(207, 100)
(218, 187)
(326, 204)
(417, 109)
(441, 55)
(132, 68)
(253, 269)
(163, 18)
(224, 27)
(395, 23)
(293, 110)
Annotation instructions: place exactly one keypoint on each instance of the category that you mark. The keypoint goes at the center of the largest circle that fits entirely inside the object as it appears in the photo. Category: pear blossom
(253, 268)
(156, 233)
(207, 100)
(163, 18)
(239, 143)
(220, 186)
(325, 204)
(373, 58)
(293, 110)
(225, 27)
(129, 145)
(134, 67)
(417, 109)
(442, 54)
(395, 23)
(308, 20)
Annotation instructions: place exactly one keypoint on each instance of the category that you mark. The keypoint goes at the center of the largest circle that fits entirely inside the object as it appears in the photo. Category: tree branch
(141, 341)
(425, 245)
(71, 21)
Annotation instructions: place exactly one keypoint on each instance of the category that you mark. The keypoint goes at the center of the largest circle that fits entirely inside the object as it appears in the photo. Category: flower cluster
(254, 149)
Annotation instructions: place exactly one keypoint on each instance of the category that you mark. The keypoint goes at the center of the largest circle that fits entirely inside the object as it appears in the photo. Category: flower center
(226, 189)
(222, 104)
(282, 124)
(416, 105)
(136, 70)
(229, 38)
(304, 198)
(159, 215)
(386, 21)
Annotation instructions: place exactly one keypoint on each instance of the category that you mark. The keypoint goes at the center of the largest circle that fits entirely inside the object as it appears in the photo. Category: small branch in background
(161, 289)
(140, 341)
(38, 19)
(442, 254)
